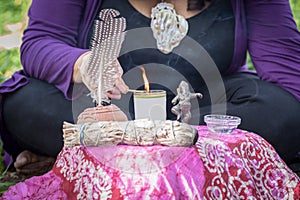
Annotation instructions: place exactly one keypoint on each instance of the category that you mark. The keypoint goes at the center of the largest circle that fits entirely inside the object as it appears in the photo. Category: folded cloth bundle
(138, 132)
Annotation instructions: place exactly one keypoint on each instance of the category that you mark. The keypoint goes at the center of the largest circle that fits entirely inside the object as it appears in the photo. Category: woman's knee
(269, 111)
(34, 115)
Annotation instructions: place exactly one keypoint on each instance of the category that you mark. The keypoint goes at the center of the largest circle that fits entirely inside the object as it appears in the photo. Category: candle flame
(146, 82)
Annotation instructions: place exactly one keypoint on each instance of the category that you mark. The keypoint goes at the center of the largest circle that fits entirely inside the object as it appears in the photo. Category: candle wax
(150, 105)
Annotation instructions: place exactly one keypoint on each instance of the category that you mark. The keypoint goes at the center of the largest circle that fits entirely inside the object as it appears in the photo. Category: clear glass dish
(224, 124)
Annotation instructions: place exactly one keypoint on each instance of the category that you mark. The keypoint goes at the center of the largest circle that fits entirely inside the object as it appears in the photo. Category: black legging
(34, 114)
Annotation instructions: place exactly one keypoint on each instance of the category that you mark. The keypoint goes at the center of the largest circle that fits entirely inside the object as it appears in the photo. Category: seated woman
(49, 90)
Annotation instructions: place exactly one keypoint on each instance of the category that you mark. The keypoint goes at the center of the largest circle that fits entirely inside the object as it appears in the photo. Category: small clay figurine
(183, 97)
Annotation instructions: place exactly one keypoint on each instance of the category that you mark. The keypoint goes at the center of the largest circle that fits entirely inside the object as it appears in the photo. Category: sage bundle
(138, 133)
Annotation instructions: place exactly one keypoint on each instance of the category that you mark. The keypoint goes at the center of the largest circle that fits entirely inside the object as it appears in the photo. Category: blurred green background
(13, 20)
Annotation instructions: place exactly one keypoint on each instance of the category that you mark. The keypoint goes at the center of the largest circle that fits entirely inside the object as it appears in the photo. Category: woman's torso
(212, 29)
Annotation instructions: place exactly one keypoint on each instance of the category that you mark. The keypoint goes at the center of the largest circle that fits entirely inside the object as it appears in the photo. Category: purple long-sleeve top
(58, 29)
(57, 35)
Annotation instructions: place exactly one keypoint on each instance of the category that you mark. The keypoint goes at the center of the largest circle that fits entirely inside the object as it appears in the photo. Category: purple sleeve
(50, 43)
(274, 43)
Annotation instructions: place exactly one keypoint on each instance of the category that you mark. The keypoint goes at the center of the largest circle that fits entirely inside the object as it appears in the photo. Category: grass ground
(14, 12)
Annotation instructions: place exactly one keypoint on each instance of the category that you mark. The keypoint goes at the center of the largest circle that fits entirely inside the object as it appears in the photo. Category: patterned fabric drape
(240, 165)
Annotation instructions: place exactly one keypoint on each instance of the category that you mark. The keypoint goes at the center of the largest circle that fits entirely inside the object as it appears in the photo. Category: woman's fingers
(114, 93)
(121, 86)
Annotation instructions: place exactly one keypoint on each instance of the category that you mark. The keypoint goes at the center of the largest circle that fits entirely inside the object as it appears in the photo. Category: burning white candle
(150, 104)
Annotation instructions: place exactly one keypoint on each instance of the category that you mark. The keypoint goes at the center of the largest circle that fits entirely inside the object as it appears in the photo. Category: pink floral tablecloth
(240, 165)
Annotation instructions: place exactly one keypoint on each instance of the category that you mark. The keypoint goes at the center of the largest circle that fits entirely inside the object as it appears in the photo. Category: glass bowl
(221, 123)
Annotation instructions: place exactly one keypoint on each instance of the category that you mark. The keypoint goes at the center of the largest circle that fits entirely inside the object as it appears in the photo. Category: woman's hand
(119, 87)
(113, 88)
(83, 59)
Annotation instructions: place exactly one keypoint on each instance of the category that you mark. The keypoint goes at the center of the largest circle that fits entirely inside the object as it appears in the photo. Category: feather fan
(108, 36)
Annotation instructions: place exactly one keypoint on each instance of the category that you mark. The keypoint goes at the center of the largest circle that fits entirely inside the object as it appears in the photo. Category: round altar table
(240, 165)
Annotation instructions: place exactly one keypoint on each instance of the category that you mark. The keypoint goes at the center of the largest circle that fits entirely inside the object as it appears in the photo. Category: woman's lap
(34, 114)
(271, 112)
